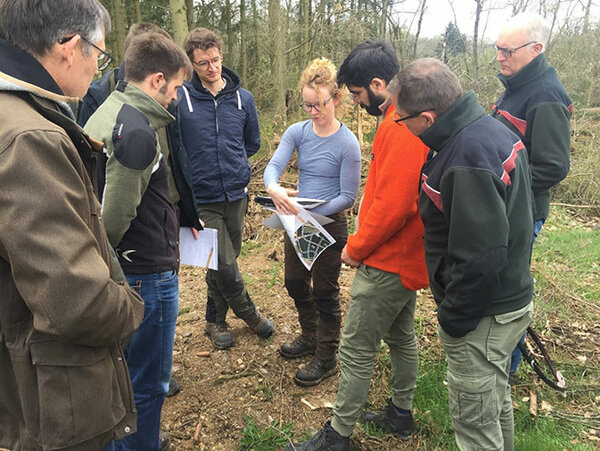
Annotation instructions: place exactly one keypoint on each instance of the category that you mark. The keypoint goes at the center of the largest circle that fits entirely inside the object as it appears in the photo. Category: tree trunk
(179, 20)
(305, 29)
(119, 29)
(243, 41)
(586, 18)
(229, 29)
(414, 52)
(137, 8)
(277, 67)
(476, 36)
(189, 7)
(384, 16)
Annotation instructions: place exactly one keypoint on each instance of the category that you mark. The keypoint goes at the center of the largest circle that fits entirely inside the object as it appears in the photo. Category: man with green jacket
(537, 108)
(64, 306)
(140, 218)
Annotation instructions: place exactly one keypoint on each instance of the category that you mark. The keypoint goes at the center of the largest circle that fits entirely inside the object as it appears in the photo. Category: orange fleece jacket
(390, 231)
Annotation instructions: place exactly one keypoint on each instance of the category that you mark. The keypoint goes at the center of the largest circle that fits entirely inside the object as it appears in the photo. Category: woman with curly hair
(329, 169)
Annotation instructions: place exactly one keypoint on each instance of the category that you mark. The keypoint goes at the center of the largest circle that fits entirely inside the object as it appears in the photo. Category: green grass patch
(273, 436)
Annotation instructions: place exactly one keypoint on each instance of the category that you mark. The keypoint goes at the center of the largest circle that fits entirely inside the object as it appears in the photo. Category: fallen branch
(561, 204)
(230, 377)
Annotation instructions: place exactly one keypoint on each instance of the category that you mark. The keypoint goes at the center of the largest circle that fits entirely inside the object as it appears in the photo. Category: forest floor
(223, 391)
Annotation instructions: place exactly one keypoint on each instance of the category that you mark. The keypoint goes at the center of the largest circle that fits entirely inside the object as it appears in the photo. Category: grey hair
(426, 84)
(36, 25)
(535, 25)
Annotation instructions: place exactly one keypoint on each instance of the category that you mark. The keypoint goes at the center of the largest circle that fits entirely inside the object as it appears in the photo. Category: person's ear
(430, 117)
(67, 49)
(377, 85)
(538, 48)
(157, 80)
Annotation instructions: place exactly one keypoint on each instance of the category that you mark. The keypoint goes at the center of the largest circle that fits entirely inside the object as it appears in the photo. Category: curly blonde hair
(321, 73)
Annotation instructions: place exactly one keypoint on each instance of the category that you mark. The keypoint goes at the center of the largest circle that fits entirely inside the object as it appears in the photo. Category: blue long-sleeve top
(329, 167)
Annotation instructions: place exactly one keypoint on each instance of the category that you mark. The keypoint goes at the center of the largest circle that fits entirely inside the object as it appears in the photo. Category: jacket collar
(134, 96)
(19, 71)
(527, 74)
(462, 112)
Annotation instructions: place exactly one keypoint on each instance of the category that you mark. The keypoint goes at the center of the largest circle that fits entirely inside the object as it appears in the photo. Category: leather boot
(260, 325)
(391, 420)
(301, 346)
(315, 371)
(219, 335)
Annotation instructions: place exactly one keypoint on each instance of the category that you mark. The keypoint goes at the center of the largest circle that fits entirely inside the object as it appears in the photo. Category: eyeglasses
(507, 53)
(103, 60)
(398, 120)
(355, 94)
(317, 106)
(205, 64)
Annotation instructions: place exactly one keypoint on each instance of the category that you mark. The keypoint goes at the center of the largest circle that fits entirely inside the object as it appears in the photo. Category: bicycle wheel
(538, 358)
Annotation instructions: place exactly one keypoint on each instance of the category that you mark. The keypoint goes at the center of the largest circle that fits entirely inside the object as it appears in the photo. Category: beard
(374, 101)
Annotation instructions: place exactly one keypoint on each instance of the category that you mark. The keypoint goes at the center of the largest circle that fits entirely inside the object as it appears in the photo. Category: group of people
(91, 215)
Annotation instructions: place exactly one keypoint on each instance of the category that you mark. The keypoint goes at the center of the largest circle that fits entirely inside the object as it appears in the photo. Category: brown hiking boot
(219, 335)
(315, 371)
(302, 345)
(260, 325)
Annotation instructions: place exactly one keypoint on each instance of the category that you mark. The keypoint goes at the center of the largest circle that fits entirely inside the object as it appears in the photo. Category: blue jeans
(149, 355)
(515, 357)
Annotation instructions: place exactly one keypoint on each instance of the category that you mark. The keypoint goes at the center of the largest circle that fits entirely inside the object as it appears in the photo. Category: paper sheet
(202, 252)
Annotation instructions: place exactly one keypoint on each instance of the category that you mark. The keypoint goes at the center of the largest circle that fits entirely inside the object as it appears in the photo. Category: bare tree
(478, 10)
(418, 32)
(119, 28)
(179, 20)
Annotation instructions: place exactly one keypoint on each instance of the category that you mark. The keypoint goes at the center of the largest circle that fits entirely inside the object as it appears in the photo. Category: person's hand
(281, 199)
(349, 260)
(194, 232)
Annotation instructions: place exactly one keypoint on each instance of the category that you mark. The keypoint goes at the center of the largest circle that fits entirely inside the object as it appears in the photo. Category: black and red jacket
(475, 203)
(537, 108)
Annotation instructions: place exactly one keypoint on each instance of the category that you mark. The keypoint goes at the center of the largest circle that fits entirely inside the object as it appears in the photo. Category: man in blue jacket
(219, 127)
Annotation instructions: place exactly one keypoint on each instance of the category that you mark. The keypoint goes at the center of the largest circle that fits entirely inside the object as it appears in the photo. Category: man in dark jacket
(537, 108)
(64, 306)
(219, 127)
(140, 218)
(475, 202)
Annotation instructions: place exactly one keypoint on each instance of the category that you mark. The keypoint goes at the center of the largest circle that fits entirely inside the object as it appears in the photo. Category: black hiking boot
(315, 371)
(389, 419)
(174, 387)
(219, 335)
(260, 325)
(301, 346)
(327, 439)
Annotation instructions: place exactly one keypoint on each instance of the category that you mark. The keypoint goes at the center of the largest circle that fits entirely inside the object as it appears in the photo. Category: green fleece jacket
(138, 213)
(537, 108)
(475, 203)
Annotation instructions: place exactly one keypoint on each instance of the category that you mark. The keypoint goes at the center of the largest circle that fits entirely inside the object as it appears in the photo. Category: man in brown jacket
(64, 307)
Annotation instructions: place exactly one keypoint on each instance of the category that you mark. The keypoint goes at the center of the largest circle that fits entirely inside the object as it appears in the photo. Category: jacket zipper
(216, 116)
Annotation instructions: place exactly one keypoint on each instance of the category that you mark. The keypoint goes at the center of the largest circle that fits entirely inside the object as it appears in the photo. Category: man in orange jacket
(388, 251)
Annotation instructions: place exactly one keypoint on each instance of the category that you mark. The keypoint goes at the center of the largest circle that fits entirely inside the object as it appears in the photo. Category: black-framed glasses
(507, 53)
(103, 60)
(204, 64)
(317, 106)
(398, 120)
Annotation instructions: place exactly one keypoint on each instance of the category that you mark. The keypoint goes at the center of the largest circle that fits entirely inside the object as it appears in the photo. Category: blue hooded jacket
(219, 134)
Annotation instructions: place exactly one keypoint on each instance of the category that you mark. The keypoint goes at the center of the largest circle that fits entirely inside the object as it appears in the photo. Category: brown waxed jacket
(64, 307)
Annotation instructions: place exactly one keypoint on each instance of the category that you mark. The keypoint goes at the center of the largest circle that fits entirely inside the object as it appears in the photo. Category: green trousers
(478, 388)
(226, 287)
(380, 308)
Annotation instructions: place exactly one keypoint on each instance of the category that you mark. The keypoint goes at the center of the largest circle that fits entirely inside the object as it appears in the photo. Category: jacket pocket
(79, 395)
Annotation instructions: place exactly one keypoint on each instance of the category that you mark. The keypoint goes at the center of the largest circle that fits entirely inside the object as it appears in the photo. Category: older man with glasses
(219, 129)
(537, 108)
(64, 304)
